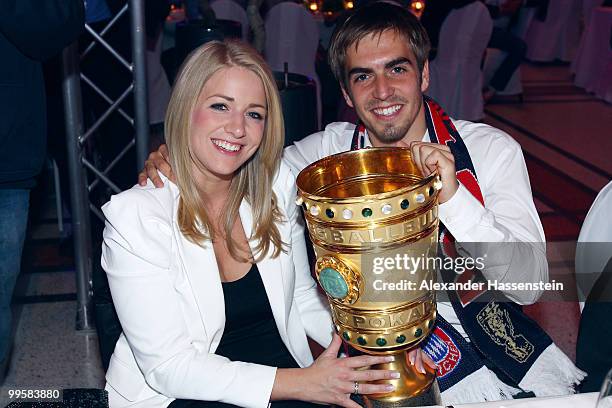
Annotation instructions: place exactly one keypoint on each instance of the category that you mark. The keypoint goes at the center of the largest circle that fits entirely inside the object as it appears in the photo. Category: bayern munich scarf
(520, 355)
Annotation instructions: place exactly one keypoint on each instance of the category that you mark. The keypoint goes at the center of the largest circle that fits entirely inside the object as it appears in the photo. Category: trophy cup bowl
(362, 207)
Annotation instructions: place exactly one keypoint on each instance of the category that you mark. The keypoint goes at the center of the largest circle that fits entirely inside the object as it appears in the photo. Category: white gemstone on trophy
(386, 209)
(347, 214)
(314, 210)
(420, 198)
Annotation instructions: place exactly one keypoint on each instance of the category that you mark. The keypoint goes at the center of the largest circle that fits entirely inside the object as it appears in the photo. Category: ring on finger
(356, 388)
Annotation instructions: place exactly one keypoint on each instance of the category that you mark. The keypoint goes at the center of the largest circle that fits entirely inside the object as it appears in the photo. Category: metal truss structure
(85, 172)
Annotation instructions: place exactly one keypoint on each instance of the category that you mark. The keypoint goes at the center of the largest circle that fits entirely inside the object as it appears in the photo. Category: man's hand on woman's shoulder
(158, 162)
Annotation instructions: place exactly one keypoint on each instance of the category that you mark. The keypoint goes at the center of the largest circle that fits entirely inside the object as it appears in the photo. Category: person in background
(158, 93)
(210, 276)
(502, 12)
(30, 32)
(434, 15)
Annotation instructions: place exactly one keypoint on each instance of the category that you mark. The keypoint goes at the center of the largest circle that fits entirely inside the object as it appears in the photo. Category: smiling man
(379, 56)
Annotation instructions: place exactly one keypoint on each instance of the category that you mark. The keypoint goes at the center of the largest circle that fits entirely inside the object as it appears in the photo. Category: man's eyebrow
(398, 61)
(359, 70)
(390, 64)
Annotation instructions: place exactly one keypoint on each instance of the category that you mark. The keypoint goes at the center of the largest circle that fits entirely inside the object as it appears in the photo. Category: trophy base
(412, 389)
(431, 397)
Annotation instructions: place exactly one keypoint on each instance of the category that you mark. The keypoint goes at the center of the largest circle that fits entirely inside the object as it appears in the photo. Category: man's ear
(425, 77)
(347, 97)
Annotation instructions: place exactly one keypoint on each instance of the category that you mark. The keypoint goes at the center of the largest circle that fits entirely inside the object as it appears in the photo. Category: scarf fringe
(480, 386)
(552, 374)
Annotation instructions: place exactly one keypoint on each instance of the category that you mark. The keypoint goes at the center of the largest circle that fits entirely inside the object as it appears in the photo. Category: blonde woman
(209, 276)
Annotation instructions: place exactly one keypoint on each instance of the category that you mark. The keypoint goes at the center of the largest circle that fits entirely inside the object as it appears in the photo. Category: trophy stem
(411, 389)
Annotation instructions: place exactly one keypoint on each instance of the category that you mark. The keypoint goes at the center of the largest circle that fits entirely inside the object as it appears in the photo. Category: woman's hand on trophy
(430, 157)
(331, 380)
(157, 162)
(419, 359)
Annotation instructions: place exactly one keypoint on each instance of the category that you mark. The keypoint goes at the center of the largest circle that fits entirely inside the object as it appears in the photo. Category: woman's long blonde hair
(253, 180)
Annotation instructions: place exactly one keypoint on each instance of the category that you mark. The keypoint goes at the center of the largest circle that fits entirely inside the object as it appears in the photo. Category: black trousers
(593, 346)
(515, 49)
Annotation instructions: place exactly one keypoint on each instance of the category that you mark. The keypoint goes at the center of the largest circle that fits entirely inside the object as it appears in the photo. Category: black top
(250, 330)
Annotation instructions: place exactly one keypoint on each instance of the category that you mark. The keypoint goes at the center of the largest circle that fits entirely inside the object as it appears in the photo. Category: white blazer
(168, 295)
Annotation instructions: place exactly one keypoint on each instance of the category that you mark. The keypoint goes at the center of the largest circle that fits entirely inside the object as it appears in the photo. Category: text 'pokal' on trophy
(366, 211)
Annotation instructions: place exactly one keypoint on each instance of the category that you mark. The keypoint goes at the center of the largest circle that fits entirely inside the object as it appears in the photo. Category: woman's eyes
(255, 115)
(224, 107)
(218, 106)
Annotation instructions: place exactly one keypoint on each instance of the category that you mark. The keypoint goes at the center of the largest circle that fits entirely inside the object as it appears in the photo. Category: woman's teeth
(227, 145)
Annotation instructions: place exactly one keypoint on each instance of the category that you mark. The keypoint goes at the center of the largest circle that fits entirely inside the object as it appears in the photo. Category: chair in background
(592, 64)
(495, 57)
(455, 76)
(230, 10)
(292, 37)
(587, 9)
(558, 36)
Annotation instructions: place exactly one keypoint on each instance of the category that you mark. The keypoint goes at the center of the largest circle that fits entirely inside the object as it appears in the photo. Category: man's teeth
(227, 145)
(387, 111)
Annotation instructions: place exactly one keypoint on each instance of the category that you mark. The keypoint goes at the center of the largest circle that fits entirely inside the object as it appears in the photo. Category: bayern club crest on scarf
(443, 351)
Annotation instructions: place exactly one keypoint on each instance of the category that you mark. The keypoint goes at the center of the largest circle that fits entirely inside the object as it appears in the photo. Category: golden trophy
(373, 220)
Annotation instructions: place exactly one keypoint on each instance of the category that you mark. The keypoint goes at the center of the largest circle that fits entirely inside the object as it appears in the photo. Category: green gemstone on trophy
(362, 341)
(404, 204)
(430, 324)
(418, 332)
(400, 339)
(346, 336)
(333, 283)
(366, 212)
(330, 213)
(381, 342)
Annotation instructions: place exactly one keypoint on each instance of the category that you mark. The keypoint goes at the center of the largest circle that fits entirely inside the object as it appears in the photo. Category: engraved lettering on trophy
(416, 313)
(356, 237)
(359, 322)
(393, 232)
(377, 322)
(341, 316)
(319, 232)
(372, 238)
(423, 219)
(397, 319)
(409, 227)
(337, 237)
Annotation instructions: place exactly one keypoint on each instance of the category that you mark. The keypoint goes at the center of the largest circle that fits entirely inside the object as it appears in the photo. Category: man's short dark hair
(371, 19)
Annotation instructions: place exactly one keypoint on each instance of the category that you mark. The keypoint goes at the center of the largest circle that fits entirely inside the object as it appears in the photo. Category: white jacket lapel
(200, 266)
